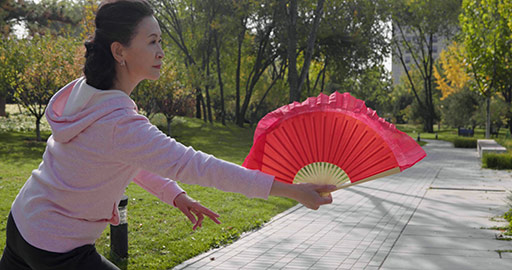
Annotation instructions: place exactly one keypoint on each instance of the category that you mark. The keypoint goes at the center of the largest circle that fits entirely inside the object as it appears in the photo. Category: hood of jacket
(78, 105)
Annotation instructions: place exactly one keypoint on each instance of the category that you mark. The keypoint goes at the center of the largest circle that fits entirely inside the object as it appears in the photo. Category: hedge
(464, 143)
(497, 161)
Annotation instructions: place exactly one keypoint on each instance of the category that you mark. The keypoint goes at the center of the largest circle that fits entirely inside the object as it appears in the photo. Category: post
(419, 138)
(119, 233)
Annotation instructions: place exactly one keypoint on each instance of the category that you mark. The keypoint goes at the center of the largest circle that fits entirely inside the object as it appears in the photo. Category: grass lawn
(160, 236)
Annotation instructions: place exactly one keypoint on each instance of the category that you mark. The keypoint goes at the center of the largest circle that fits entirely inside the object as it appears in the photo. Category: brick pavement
(428, 217)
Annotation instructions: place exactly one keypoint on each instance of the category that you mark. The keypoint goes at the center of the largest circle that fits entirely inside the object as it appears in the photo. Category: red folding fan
(332, 139)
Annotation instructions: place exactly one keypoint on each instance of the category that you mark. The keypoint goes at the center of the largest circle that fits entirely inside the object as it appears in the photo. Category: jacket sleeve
(163, 188)
(138, 143)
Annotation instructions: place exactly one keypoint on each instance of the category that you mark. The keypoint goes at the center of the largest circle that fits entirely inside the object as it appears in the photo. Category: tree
(296, 80)
(38, 18)
(486, 28)
(167, 95)
(450, 74)
(12, 62)
(462, 108)
(50, 63)
(425, 20)
(374, 86)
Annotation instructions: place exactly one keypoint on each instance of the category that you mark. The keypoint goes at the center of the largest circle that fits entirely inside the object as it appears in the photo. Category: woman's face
(144, 54)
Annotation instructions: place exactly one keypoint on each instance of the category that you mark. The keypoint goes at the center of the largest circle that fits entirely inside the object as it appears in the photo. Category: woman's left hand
(191, 207)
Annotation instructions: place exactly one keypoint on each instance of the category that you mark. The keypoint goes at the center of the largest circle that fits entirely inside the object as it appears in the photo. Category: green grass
(160, 236)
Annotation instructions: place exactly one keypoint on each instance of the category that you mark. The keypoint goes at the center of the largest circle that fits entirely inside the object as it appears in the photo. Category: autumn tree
(12, 62)
(168, 95)
(51, 62)
(450, 74)
(55, 16)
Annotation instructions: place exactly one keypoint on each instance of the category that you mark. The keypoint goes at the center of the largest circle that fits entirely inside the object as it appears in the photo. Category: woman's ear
(117, 50)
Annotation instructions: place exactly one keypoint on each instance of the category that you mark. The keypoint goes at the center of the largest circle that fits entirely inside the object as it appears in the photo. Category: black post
(119, 233)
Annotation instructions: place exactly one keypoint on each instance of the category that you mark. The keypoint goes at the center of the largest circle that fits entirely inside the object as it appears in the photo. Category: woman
(99, 144)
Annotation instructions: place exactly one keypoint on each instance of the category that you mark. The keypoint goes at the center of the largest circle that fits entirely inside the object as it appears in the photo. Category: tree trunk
(206, 66)
(205, 114)
(428, 124)
(198, 104)
(38, 129)
(219, 75)
(488, 117)
(241, 36)
(169, 121)
(308, 55)
(293, 76)
(2, 106)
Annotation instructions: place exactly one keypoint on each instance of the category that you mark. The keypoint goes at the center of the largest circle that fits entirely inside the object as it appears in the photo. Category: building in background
(397, 70)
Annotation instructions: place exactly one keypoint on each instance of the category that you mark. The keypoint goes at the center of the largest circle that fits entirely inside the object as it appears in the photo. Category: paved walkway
(431, 216)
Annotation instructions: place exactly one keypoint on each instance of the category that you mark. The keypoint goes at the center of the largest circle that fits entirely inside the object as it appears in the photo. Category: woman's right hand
(310, 195)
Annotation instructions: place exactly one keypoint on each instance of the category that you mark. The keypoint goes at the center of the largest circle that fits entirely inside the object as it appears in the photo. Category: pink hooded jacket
(99, 144)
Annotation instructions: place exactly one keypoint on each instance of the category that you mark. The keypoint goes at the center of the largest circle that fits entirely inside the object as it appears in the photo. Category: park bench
(489, 146)
(466, 132)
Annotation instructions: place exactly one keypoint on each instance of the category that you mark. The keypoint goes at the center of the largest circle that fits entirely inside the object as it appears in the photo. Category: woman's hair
(115, 21)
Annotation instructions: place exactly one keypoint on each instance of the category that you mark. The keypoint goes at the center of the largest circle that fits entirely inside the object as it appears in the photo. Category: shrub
(497, 161)
(464, 143)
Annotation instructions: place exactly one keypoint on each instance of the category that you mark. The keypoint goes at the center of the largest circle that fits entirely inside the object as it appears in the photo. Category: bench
(489, 146)
(466, 132)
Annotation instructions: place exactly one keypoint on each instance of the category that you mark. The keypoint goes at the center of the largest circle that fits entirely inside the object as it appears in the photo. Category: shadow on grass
(16, 147)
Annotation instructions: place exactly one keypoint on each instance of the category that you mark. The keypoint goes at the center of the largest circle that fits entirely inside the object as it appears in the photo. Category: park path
(431, 216)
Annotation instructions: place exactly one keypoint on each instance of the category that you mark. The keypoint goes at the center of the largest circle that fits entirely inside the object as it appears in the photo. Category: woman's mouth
(157, 66)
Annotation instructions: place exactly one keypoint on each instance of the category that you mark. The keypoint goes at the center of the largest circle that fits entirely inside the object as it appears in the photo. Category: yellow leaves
(87, 23)
(452, 77)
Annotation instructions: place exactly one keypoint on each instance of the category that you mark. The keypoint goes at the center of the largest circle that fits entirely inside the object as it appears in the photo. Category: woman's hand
(310, 195)
(190, 207)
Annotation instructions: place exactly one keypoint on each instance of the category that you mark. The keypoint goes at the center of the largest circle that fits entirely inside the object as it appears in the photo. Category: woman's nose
(160, 53)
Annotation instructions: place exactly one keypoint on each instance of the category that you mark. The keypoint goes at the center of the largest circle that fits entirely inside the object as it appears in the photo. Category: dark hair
(114, 21)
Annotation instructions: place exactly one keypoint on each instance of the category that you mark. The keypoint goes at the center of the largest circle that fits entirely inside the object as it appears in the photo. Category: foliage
(50, 64)
(497, 161)
(353, 38)
(486, 38)
(39, 17)
(464, 143)
(498, 113)
(252, 37)
(167, 95)
(451, 76)
(374, 86)
(486, 33)
(462, 108)
(11, 63)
